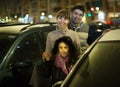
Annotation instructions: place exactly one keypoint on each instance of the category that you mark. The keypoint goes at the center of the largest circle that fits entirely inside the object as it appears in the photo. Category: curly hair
(72, 50)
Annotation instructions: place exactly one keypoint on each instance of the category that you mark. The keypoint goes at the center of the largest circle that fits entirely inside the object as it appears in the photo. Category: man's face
(76, 16)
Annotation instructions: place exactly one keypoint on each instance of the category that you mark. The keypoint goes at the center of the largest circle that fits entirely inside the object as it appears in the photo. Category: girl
(61, 61)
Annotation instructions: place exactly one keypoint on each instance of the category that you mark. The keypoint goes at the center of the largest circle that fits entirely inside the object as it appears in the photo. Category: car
(98, 66)
(21, 47)
(114, 22)
(96, 28)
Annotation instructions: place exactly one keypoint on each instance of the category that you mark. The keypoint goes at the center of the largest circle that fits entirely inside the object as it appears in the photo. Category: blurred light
(108, 22)
(18, 46)
(99, 23)
(43, 13)
(53, 19)
(3, 20)
(99, 30)
(97, 8)
(27, 15)
(15, 16)
(111, 14)
(27, 42)
(10, 19)
(50, 16)
(84, 14)
(42, 17)
(92, 8)
(89, 14)
(101, 16)
(20, 19)
(6, 17)
(84, 19)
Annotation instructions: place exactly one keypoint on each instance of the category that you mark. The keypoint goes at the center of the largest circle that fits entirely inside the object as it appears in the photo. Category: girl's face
(63, 49)
(62, 22)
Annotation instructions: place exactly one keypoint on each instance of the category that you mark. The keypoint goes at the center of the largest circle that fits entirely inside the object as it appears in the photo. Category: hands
(46, 55)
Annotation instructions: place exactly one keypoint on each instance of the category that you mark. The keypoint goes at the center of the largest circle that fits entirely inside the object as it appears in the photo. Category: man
(77, 25)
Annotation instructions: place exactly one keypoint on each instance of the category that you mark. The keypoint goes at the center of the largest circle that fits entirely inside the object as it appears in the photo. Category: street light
(92, 8)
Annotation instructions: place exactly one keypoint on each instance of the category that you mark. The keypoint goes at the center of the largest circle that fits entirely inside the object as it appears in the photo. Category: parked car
(98, 66)
(114, 22)
(96, 28)
(21, 47)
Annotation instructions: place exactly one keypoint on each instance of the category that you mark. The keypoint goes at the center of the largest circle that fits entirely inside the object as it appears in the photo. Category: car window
(6, 41)
(100, 69)
(43, 36)
(28, 49)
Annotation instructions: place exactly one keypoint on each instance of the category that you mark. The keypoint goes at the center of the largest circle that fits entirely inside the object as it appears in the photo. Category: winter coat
(48, 69)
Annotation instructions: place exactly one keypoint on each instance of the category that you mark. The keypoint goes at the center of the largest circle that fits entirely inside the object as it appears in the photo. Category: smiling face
(63, 18)
(62, 22)
(77, 16)
(63, 49)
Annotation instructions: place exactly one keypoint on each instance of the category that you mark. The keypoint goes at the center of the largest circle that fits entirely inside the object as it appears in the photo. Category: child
(62, 59)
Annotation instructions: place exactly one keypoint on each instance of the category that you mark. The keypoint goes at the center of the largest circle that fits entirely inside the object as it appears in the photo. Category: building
(39, 10)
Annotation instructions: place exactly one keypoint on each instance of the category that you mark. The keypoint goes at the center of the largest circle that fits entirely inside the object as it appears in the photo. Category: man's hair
(80, 7)
(63, 13)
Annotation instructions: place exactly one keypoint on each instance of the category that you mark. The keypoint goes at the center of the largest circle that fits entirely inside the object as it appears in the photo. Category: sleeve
(37, 79)
(45, 69)
(77, 44)
(48, 43)
(86, 28)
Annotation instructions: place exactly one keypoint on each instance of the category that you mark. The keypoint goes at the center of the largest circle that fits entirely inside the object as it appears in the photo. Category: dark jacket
(48, 69)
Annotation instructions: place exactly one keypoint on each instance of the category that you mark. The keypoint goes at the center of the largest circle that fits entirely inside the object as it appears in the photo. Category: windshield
(6, 41)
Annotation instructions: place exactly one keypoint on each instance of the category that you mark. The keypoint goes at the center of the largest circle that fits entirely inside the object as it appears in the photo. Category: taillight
(108, 22)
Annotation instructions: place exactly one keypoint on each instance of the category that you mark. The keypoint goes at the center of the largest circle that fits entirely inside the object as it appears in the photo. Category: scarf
(61, 63)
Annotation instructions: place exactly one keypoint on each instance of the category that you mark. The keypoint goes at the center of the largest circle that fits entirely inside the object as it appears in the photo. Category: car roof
(113, 35)
(17, 29)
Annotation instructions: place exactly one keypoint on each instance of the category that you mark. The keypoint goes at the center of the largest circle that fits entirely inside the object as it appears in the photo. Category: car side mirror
(57, 84)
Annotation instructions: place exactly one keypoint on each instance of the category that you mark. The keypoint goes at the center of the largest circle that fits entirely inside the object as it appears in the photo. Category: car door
(20, 63)
(43, 35)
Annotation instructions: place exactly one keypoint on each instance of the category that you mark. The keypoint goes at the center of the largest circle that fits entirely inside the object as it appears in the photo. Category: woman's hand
(46, 56)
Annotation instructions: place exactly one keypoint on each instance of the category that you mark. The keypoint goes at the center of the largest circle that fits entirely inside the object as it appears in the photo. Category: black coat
(48, 69)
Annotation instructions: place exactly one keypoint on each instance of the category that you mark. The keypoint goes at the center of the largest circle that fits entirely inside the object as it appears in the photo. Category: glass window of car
(6, 41)
(28, 49)
(43, 36)
(101, 67)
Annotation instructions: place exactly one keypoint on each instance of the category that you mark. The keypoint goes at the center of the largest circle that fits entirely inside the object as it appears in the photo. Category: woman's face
(63, 49)
(62, 22)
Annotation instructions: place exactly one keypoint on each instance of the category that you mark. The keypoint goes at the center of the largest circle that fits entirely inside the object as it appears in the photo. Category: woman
(63, 19)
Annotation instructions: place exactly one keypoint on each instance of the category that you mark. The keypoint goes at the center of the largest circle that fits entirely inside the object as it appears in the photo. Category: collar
(73, 25)
(62, 30)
